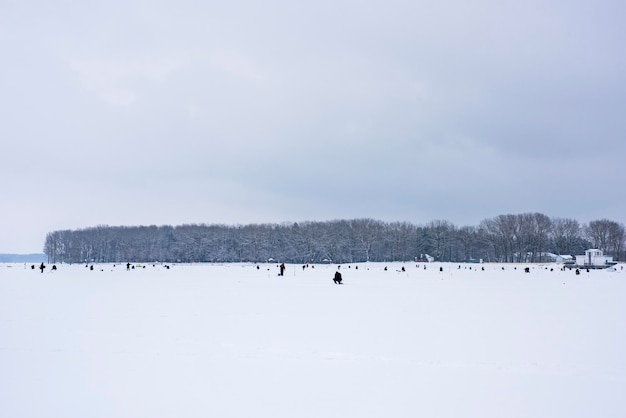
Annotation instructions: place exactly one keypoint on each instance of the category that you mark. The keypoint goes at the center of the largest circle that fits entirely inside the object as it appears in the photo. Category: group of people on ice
(337, 278)
(42, 267)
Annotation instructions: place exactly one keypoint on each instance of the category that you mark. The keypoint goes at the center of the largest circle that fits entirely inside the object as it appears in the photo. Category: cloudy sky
(168, 112)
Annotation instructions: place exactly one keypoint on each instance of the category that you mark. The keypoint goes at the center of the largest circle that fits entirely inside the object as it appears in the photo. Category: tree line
(526, 237)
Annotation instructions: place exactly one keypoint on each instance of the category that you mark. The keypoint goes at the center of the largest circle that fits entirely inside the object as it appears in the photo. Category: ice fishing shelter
(594, 258)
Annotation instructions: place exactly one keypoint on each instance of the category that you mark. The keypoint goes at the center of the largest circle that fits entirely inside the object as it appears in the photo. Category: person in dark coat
(337, 279)
(282, 269)
(42, 267)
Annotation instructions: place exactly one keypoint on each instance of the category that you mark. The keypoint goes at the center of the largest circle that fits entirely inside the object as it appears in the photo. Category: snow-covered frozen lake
(236, 341)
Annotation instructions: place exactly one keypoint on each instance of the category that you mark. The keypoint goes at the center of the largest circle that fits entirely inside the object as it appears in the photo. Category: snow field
(236, 341)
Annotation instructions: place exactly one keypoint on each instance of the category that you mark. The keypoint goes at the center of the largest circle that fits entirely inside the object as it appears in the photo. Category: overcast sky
(169, 112)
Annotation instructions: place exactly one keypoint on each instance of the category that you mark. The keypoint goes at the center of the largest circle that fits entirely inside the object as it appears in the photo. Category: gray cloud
(170, 112)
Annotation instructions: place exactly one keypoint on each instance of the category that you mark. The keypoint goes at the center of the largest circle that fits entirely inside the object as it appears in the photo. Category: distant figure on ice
(127, 266)
(42, 267)
(282, 269)
(337, 279)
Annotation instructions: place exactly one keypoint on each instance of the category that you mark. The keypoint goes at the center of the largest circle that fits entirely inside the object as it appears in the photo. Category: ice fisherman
(337, 279)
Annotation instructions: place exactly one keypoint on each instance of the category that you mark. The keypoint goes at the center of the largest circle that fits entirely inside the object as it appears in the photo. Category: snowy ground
(234, 341)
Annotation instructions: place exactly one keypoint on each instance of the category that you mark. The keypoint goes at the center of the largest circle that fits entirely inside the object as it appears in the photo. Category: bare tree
(566, 232)
(598, 232)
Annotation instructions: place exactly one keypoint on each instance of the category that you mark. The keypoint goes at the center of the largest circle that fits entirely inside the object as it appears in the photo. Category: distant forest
(527, 237)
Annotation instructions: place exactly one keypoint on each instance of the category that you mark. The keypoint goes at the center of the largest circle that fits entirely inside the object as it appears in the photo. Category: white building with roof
(594, 258)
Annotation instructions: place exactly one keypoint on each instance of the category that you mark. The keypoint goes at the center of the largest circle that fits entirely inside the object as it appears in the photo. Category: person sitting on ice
(337, 279)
